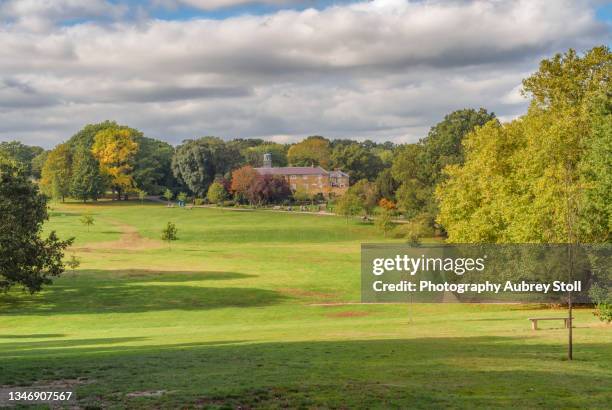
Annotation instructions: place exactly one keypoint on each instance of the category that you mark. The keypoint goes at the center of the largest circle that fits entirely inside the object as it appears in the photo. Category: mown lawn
(236, 313)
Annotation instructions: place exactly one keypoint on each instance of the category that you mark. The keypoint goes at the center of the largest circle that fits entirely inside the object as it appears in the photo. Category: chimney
(267, 160)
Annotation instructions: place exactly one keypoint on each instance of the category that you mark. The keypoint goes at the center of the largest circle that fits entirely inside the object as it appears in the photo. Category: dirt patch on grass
(130, 240)
(146, 393)
(349, 313)
(301, 293)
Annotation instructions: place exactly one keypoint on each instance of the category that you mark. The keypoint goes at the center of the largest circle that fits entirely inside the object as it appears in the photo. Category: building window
(293, 187)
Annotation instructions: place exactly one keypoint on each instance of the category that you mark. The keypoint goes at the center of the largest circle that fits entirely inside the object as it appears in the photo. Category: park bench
(534, 321)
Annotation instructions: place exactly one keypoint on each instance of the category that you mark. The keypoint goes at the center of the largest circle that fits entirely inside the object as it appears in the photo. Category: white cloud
(386, 68)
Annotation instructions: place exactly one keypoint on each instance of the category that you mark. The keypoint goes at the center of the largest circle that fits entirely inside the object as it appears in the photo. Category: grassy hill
(258, 309)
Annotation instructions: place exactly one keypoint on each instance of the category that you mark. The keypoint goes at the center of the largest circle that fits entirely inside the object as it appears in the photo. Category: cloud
(42, 15)
(385, 69)
(218, 4)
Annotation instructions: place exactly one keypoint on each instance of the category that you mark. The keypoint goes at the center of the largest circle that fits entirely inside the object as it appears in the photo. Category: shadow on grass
(33, 336)
(134, 291)
(461, 372)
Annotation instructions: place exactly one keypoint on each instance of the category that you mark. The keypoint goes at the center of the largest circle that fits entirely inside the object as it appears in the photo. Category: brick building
(313, 180)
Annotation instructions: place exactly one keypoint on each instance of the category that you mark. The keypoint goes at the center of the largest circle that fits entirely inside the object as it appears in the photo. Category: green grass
(230, 316)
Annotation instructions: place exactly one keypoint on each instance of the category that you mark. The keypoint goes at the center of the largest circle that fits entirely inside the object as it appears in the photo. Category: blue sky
(275, 69)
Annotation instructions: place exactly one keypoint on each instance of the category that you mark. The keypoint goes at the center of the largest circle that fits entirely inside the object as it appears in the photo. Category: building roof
(338, 174)
(292, 171)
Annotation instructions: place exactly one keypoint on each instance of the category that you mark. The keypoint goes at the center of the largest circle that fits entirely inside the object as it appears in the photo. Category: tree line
(472, 178)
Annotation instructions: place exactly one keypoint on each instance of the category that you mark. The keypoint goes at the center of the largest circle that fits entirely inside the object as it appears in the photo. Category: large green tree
(545, 176)
(198, 162)
(26, 258)
(87, 181)
(153, 165)
(356, 160)
(418, 167)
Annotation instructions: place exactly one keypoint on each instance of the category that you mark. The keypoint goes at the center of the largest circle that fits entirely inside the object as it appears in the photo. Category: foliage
(23, 155)
(56, 173)
(603, 302)
(26, 259)
(386, 184)
(301, 195)
(387, 204)
(198, 162)
(182, 197)
(168, 195)
(312, 151)
(254, 155)
(418, 167)
(153, 165)
(242, 179)
(366, 194)
(87, 182)
(115, 149)
(416, 229)
(87, 220)
(349, 205)
(268, 189)
(216, 193)
(73, 263)
(527, 181)
(85, 138)
(357, 161)
(169, 233)
(384, 222)
(142, 194)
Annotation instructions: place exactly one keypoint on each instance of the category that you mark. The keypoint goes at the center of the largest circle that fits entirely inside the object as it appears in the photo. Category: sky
(386, 70)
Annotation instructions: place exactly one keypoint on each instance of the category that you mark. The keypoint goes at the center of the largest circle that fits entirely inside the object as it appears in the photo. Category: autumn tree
(312, 151)
(268, 189)
(242, 179)
(56, 173)
(115, 149)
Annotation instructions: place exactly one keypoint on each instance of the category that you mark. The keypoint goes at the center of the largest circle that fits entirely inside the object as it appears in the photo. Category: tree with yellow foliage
(115, 149)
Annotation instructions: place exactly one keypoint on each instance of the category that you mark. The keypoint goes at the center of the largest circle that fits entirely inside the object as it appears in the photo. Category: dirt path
(130, 240)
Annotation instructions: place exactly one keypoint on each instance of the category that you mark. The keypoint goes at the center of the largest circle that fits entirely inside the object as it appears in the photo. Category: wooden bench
(534, 321)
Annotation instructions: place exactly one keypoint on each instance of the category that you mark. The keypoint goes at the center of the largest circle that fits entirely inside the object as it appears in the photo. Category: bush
(198, 201)
(603, 302)
(417, 228)
(228, 203)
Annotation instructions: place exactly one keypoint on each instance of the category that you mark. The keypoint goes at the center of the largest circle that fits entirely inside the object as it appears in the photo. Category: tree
(56, 173)
(73, 263)
(383, 222)
(142, 195)
(168, 195)
(169, 233)
(386, 184)
(153, 165)
(386, 204)
(242, 179)
(26, 258)
(254, 155)
(198, 162)
(216, 193)
(312, 151)
(87, 220)
(366, 193)
(268, 189)
(37, 164)
(23, 155)
(87, 182)
(182, 197)
(115, 149)
(357, 161)
(349, 205)
(523, 181)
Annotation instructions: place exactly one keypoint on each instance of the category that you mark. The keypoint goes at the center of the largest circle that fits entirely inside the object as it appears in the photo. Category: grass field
(253, 309)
